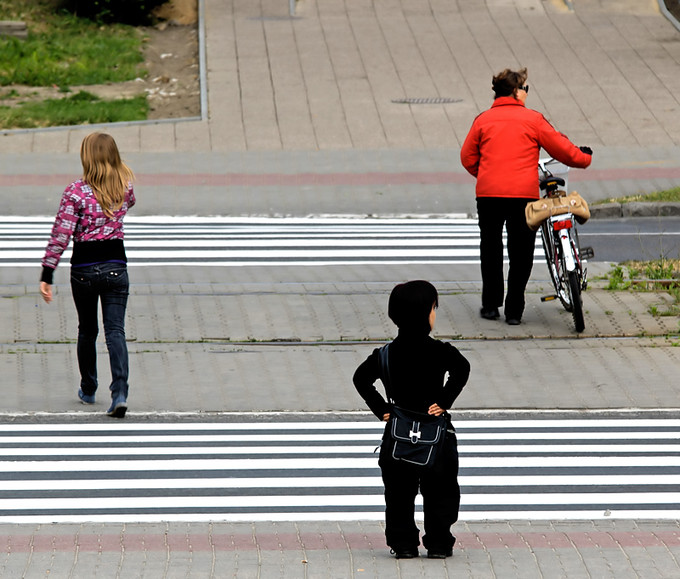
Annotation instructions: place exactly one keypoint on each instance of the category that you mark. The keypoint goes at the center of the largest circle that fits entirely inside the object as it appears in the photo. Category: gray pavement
(300, 121)
(301, 183)
(289, 338)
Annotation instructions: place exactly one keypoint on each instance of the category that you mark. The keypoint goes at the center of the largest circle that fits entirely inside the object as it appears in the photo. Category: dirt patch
(172, 85)
(183, 12)
(171, 57)
(673, 7)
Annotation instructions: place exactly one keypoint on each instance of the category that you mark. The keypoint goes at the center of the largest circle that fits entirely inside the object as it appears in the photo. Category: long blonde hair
(104, 171)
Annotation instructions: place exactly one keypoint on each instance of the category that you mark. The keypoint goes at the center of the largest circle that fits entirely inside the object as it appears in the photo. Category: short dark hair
(410, 305)
(505, 83)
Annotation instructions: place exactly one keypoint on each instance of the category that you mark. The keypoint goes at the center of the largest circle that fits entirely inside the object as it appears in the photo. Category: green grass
(69, 58)
(63, 51)
(668, 195)
(660, 275)
(80, 108)
(655, 274)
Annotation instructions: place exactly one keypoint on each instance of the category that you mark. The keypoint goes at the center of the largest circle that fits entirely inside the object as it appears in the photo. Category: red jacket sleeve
(560, 147)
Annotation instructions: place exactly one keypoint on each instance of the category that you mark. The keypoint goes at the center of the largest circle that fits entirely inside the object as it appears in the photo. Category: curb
(635, 209)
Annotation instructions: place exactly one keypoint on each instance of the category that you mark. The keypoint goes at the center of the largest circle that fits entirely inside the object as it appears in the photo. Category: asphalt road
(640, 238)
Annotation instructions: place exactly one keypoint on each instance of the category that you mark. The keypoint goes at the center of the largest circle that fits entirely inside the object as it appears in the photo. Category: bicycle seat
(552, 182)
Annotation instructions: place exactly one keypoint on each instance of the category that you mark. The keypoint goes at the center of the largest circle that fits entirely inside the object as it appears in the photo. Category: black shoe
(439, 554)
(513, 321)
(405, 554)
(490, 313)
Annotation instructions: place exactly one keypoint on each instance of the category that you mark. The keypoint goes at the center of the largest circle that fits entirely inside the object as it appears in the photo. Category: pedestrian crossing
(216, 241)
(293, 471)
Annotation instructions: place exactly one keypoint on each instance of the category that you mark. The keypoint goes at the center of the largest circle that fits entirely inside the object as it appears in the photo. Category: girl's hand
(46, 291)
(386, 417)
(435, 410)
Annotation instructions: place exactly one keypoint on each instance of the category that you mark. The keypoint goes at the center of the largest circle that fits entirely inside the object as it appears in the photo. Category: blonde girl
(92, 211)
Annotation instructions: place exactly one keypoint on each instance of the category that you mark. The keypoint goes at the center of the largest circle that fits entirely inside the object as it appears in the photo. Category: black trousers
(494, 213)
(441, 499)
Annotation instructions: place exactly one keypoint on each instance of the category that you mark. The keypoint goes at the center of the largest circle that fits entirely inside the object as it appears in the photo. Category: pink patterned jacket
(80, 216)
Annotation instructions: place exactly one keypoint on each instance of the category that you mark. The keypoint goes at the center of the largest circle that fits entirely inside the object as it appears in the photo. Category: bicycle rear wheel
(576, 301)
(555, 263)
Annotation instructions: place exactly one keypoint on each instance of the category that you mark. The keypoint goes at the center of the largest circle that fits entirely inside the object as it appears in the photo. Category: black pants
(494, 212)
(441, 499)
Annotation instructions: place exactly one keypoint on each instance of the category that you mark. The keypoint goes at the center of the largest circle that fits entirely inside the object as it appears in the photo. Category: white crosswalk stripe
(510, 469)
(263, 241)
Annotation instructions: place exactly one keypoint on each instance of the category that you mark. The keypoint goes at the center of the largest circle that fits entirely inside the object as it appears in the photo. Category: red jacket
(503, 146)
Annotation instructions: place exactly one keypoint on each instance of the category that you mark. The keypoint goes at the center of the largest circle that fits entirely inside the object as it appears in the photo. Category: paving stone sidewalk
(265, 343)
(507, 550)
(603, 71)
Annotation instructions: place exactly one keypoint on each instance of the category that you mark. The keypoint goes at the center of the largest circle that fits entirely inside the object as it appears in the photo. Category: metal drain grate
(427, 101)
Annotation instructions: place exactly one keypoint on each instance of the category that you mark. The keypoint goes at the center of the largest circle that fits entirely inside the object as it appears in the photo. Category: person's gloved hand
(586, 150)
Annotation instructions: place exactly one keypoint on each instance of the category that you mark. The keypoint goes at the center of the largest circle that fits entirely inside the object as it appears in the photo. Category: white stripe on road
(497, 450)
(261, 438)
(263, 241)
(588, 424)
(270, 483)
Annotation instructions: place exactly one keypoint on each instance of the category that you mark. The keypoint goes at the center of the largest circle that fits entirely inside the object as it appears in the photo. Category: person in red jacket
(501, 151)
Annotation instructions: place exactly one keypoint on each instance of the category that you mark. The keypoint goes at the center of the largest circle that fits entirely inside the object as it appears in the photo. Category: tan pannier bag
(538, 211)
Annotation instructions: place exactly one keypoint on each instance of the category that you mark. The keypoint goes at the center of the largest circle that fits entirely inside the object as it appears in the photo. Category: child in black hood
(418, 366)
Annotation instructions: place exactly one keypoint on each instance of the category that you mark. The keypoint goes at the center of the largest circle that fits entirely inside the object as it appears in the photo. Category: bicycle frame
(562, 251)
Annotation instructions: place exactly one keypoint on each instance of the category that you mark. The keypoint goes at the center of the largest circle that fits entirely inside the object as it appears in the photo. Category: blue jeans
(108, 282)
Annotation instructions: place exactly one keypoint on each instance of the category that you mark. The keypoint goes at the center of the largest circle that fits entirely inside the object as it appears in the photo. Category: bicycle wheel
(555, 262)
(576, 301)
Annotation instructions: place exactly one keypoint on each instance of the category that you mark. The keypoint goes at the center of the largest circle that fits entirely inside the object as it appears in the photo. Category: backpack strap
(385, 371)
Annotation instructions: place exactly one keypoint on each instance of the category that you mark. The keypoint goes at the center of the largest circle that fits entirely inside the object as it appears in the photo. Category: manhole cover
(427, 101)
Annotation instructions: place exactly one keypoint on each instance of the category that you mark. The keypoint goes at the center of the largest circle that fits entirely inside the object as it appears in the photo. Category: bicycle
(566, 259)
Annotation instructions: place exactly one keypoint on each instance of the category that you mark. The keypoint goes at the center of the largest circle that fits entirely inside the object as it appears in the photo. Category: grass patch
(80, 108)
(655, 275)
(668, 195)
(64, 50)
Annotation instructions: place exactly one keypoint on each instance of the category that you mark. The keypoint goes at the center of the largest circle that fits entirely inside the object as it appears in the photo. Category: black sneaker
(405, 554)
(490, 313)
(439, 554)
(513, 321)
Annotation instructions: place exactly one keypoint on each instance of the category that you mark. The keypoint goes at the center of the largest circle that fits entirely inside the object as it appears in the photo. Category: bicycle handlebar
(545, 161)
